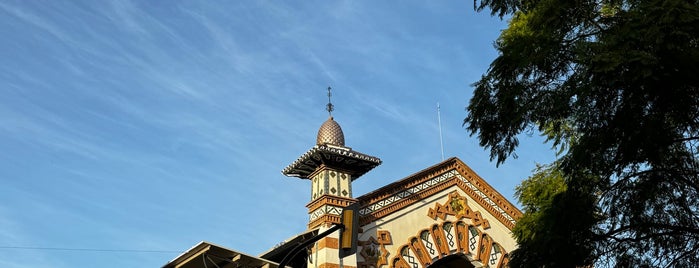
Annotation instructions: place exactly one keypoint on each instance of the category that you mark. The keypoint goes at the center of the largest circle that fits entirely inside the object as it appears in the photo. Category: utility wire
(90, 249)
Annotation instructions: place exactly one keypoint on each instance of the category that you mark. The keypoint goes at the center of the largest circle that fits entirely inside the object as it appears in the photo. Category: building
(443, 216)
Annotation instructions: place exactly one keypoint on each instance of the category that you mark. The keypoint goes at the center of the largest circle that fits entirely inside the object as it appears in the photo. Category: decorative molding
(403, 198)
(327, 209)
(338, 157)
(331, 200)
(411, 191)
(374, 251)
(326, 219)
(497, 202)
(448, 238)
(457, 206)
(492, 205)
(451, 172)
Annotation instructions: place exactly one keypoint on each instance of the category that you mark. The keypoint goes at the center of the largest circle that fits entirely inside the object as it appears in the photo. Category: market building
(442, 216)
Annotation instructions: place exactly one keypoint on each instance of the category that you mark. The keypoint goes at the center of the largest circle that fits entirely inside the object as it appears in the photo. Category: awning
(207, 255)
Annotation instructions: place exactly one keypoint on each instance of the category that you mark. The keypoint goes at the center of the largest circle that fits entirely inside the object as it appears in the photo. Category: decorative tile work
(450, 237)
(327, 181)
(407, 193)
(326, 209)
(424, 236)
(473, 186)
(326, 184)
(489, 253)
(487, 200)
(405, 252)
(420, 251)
(495, 255)
(473, 238)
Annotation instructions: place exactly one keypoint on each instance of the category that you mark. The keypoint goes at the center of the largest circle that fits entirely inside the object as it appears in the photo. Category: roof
(330, 132)
(206, 254)
(280, 251)
(338, 157)
(451, 172)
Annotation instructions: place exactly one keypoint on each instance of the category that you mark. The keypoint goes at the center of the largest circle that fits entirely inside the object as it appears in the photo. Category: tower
(331, 167)
(445, 215)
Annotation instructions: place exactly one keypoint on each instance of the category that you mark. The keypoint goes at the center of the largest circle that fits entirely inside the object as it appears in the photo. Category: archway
(450, 243)
(453, 261)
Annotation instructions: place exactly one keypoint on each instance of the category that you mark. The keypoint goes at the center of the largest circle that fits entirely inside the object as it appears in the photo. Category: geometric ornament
(456, 206)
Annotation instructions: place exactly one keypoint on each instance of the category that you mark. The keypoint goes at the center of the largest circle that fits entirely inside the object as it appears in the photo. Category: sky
(132, 130)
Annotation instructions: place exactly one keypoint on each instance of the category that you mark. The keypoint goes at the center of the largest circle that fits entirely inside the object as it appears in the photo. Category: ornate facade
(443, 212)
(443, 216)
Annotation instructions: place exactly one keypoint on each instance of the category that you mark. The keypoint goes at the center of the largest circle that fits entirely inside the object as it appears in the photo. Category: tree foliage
(614, 84)
(553, 216)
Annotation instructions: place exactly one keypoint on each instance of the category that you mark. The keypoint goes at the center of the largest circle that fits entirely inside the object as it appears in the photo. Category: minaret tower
(331, 167)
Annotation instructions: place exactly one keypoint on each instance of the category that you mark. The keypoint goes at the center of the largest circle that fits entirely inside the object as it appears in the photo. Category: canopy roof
(337, 157)
(205, 254)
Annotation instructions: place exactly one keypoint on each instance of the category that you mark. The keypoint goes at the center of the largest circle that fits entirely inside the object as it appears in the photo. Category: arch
(474, 235)
(462, 236)
(420, 251)
(440, 240)
(399, 263)
(484, 246)
(453, 261)
(497, 256)
(448, 243)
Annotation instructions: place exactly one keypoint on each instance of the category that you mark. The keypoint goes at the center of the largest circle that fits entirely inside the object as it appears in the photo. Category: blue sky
(153, 125)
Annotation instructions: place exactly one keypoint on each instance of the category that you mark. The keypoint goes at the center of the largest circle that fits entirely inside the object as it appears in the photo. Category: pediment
(446, 211)
(435, 180)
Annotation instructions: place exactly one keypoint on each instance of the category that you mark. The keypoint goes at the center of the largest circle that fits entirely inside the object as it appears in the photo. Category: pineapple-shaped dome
(330, 132)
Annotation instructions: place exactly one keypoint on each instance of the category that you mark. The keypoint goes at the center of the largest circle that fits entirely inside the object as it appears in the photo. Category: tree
(613, 84)
(548, 224)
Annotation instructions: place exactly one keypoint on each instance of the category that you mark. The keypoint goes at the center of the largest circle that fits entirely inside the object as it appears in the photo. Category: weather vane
(330, 106)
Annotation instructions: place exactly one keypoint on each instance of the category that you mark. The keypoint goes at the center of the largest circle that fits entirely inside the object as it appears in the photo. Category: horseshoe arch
(446, 240)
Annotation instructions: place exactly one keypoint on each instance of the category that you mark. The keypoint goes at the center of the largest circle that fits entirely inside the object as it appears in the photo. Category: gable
(444, 210)
(451, 172)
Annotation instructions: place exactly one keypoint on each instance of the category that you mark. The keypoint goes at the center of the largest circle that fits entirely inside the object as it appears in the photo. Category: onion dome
(330, 133)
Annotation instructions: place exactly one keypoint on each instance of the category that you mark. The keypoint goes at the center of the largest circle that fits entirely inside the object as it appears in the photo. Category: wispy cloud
(127, 15)
(127, 120)
(36, 21)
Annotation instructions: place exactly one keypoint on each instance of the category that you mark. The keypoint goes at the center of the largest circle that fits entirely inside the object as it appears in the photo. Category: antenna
(330, 108)
(439, 121)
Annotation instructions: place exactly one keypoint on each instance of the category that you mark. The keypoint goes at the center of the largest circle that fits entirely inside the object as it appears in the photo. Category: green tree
(554, 217)
(615, 85)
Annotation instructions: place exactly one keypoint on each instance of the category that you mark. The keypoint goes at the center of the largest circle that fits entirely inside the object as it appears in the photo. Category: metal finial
(330, 108)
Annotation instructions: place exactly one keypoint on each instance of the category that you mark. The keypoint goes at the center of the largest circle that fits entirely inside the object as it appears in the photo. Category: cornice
(336, 157)
(327, 209)
(451, 172)
(333, 200)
